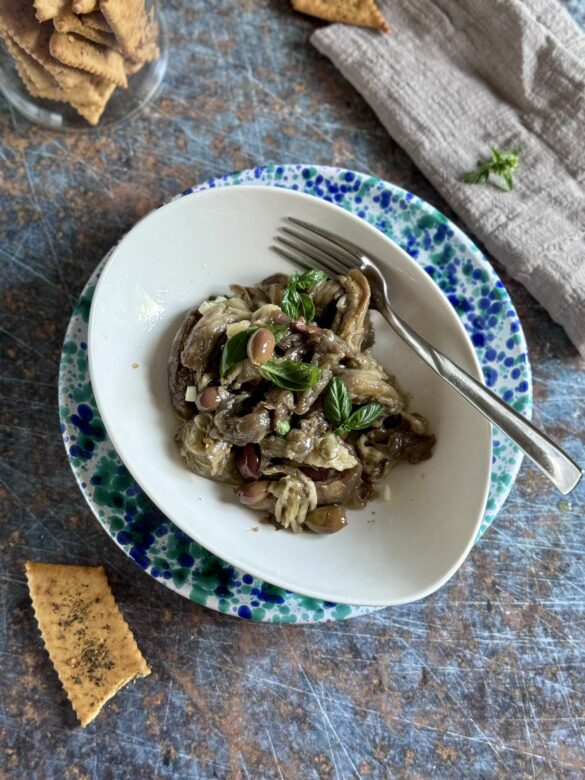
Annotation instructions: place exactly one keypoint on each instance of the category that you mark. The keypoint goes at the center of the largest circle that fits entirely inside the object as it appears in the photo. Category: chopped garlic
(386, 493)
(191, 393)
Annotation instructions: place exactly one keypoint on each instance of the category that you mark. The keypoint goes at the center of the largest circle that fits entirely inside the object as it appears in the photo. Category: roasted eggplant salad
(279, 396)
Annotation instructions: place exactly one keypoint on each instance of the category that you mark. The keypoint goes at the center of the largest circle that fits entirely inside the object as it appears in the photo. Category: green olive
(254, 493)
(326, 519)
(261, 346)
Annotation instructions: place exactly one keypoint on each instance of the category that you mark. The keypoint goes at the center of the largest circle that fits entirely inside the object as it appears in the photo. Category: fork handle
(562, 470)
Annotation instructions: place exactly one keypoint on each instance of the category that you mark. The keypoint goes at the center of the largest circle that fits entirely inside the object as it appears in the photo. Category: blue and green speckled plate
(164, 551)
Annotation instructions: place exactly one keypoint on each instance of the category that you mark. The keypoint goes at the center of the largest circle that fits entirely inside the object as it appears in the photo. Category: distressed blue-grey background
(483, 679)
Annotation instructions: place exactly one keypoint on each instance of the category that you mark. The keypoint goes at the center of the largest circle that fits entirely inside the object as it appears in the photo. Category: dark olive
(254, 493)
(326, 519)
(261, 346)
(248, 461)
(208, 399)
(316, 474)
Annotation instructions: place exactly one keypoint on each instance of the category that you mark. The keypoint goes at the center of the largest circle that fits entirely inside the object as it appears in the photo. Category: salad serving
(278, 394)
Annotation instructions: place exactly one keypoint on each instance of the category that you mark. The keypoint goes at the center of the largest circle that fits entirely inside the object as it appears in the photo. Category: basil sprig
(291, 374)
(502, 164)
(235, 349)
(296, 303)
(337, 403)
(338, 409)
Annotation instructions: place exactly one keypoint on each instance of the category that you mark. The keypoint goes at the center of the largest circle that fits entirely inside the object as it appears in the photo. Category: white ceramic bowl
(391, 552)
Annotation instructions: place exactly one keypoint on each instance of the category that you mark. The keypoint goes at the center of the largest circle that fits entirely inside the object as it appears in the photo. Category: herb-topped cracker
(88, 640)
(361, 12)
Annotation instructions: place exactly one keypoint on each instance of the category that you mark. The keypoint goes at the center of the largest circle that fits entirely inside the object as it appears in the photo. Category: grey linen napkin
(457, 77)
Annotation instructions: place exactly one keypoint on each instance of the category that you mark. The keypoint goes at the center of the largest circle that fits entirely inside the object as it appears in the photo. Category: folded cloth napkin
(457, 77)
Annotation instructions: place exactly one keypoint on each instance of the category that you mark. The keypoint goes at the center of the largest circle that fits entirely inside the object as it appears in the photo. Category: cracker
(88, 640)
(37, 79)
(40, 83)
(73, 24)
(49, 9)
(361, 12)
(18, 22)
(84, 6)
(88, 94)
(127, 18)
(79, 53)
(93, 111)
(96, 21)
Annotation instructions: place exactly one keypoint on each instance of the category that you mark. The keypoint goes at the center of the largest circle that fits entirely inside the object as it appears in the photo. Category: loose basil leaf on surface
(291, 374)
(234, 350)
(361, 418)
(337, 402)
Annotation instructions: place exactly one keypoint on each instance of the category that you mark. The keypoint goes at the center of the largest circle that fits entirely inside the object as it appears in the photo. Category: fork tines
(316, 247)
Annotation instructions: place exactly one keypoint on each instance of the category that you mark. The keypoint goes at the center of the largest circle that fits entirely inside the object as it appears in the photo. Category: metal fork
(314, 247)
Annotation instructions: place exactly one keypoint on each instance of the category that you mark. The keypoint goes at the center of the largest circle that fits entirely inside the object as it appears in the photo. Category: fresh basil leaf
(291, 374)
(293, 281)
(282, 428)
(480, 176)
(337, 402)
(290, 302)
(234, 350)
(310, 279)
(306, 307)
(361, 418)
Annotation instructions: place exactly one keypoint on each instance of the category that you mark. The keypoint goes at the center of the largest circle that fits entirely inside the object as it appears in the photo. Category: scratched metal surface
(484, 679)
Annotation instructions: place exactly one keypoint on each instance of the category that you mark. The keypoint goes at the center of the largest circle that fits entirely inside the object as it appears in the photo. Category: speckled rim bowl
(193, 247)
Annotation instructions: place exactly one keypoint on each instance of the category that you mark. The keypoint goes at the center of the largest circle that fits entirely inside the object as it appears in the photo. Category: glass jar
(57, 114)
